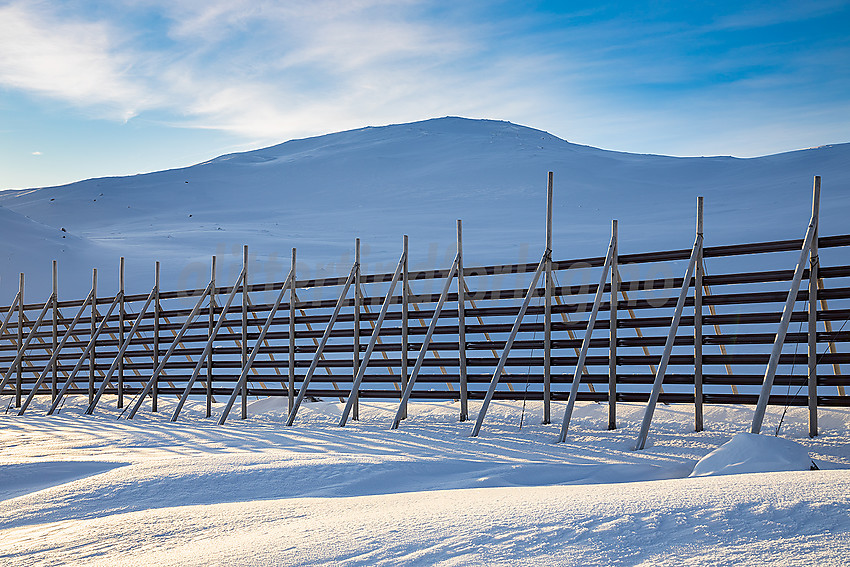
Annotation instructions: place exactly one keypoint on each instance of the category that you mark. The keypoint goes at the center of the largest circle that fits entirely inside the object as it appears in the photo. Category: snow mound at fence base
(752, 453)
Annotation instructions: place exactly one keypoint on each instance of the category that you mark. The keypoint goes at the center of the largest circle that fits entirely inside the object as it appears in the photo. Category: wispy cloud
(79, 61)
(615, 75)
(261, 69)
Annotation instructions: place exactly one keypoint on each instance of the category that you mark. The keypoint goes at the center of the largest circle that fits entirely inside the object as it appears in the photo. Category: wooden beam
(321, 346)
(90, 346)
(358, 299)
(494, 381)
(355, 386)
(813, 316)
(20, 368)
(121, 338)
(585, 343)
(157, 308)
(211, 325)
(242, 382)
(547, 309)
(612, 331)
(668, 347)
(405, 345)
(698, 281)
(55, 331)
(244, 414)
(208, 347)
(402, 406)
(770, 371)
(293, 298)
(461, 325)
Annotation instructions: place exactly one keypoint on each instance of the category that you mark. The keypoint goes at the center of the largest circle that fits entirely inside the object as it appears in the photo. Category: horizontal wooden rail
(743, 310)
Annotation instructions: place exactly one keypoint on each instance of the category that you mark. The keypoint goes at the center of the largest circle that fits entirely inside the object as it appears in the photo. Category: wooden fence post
(612, 329)
(547, 318)
(698, 290)
(461, 320)
(210, 327)
(358, 297)
(55, 371)
(292, 300)
(156, 311)
(405, 280)
(93, 353)
(245, 298)
(787, 312)
(121, 338)
(19, 373)
(813, 316)
(658, 382)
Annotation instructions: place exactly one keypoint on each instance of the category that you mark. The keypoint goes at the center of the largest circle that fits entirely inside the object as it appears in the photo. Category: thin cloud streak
(268, 71)
(353, 66)
(77, 62)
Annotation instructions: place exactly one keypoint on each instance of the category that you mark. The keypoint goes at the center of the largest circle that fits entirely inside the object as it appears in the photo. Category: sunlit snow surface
(149, 492)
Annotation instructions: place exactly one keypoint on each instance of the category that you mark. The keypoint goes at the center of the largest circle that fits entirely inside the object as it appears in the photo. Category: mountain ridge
(377, 183)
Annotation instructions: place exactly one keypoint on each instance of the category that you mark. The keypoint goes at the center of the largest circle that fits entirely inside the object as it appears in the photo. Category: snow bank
(751, 453)
(255, 492)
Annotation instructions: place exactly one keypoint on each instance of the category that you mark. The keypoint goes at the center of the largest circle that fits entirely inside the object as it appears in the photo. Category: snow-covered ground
(99, 491)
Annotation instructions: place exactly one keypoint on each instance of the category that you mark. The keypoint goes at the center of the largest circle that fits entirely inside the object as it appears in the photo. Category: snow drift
(751, 453)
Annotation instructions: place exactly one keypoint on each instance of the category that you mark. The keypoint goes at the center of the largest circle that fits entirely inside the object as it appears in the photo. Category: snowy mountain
(318, 194)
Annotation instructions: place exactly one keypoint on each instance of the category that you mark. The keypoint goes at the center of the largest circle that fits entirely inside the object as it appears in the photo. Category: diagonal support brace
(320, 348)
(497, 374)
(585, 343)
(402, 406)
(355, 386)
(668, 346)
(242, 383)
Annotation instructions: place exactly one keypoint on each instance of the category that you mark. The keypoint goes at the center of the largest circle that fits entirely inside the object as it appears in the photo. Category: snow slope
(318, 194)
(29, 247)
(258, 493)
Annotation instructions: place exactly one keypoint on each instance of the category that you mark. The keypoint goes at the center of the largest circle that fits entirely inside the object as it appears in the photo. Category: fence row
(518, 331)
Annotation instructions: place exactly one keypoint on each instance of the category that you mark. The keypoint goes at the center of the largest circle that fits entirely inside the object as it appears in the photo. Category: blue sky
(92, 89)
